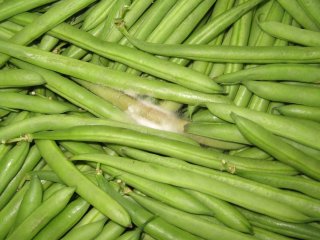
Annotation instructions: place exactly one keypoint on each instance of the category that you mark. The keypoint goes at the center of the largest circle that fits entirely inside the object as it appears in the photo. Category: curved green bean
(110, 231)
(88, 231)
(295, 230)
(65, 220)
(9, 212)
(34, 103)
(32, 199)
(30, 162)
(11, 163)
(205, 115)
(273, 72)
(296, 11)
(19, 78)
(300, 111)
(188, 152)
(300, 130)
(84, 187)
(142, 218)
(14, 7)
(111, 78)
(198, 182)
(281, 92)
(78, 96)
(133, 58)
(188, 222)
(300, 202)
(61, 121)
(163, 192)
(42, 215)
(224, 212)
(278, 148)
(55, 15)
(312, 8)
(290, 33)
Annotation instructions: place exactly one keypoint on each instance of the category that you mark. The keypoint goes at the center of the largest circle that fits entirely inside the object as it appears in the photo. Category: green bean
(293, 34)
(281, 92)
(253, 152)
(263, 234)
(240, 37)
(273, 13)
(110, 231)
(9, 212)
(48, 42)
(300, 111)
(42, 215)
(297, 12)
(84, 187)
(158, 67)
(117, 11)
(60, 121)
(34, 103)
(302, 131)
(131, 235)
(298, 201)
(47, 175)
(88, 231)
(295, 230)
(163, 192)
(195, 181)
(224, 212)
(298, 183)
(98, 13)
(19, 78)
(55, 15)
(79, 96)
(93, 215)
(32, 199)
(221, 22)
(185, 151)
(205, 67)
(11, 163)
(278, 148)
(14, 7)
(156, 227)
(184, 28)
(204, 115)
(221, 131)
(5, 34)
(233, 54)
(117, 80)
(30, 162)
(311, 7)
(188, 222)
(136, 10)
(11, 26)
(171, 21)
(55, 187)
(64, 221)
(282, 72)
(287, 19)
(215, 144)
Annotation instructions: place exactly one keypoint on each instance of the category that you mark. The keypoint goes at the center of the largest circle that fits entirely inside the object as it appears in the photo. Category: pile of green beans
(159, 119)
